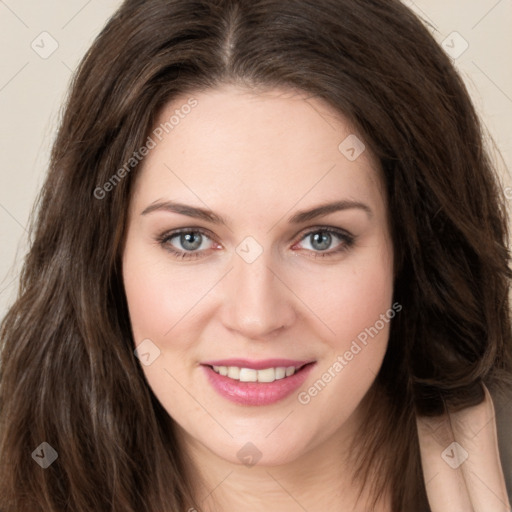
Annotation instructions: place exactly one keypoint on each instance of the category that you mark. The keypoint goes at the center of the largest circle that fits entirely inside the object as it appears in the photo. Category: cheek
(351, 297)
(356, 304)
(146, 299)
(159, 295)
(158, 298)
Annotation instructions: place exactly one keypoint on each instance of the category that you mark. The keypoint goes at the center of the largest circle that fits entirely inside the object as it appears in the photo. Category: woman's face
(233, 259)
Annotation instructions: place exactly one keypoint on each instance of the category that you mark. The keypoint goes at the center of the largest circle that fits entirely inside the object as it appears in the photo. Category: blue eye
(190, 240)
(321, 239)
(192, 243)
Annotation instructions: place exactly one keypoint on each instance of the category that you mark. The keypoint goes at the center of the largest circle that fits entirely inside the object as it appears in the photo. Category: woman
(269, 269)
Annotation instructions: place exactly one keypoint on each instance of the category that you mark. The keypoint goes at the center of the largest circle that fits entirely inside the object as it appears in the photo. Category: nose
(257, 302)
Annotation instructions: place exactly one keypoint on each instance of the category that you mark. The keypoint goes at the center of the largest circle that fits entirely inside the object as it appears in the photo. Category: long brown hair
(68, 373)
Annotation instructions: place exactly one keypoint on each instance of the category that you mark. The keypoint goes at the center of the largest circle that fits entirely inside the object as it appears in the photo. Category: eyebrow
(298, 218)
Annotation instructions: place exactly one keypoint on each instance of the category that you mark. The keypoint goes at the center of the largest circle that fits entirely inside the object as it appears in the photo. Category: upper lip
(257, 365)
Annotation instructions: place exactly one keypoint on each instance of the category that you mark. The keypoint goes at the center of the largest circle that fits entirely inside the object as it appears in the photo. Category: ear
(461, 462)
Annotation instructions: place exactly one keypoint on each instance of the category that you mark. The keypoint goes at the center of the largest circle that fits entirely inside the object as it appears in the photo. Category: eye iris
(324, 238)
(187, 241)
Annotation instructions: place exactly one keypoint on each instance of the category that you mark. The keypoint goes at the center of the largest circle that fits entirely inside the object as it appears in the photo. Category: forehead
(256, 149)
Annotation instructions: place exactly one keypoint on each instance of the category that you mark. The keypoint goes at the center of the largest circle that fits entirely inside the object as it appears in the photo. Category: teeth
(280, 373)
(234, 372)
(267, 375)
(250, 375)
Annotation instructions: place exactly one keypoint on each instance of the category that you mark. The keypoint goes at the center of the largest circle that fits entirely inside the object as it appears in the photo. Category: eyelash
(346, 238)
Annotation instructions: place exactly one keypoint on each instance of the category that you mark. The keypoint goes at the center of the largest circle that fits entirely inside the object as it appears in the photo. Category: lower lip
(257, 393)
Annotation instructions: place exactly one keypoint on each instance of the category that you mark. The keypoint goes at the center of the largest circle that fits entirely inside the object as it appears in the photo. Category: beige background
(32, 89)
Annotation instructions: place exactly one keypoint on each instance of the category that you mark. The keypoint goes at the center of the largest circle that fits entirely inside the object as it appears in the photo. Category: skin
(257, 158)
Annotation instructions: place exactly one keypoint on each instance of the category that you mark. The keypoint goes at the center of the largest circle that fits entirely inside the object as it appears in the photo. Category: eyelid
(328, 229)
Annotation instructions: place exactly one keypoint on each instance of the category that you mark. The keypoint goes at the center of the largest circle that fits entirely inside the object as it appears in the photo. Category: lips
(256, 393)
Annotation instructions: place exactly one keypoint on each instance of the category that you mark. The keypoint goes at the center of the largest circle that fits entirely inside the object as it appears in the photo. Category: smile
(272, 382)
